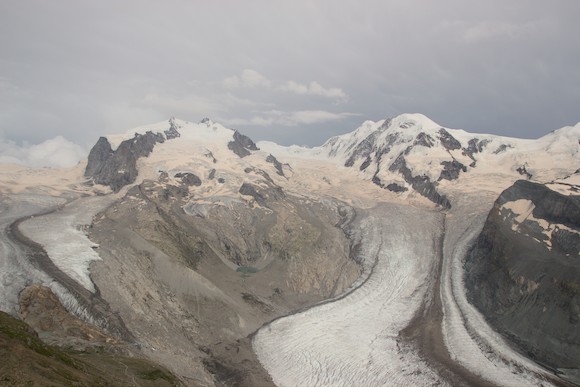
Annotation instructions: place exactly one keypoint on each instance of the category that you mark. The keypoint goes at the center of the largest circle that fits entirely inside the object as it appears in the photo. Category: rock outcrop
(118, 168)
(420, 183)
(278, 165)
(523, 273)
(242, 145)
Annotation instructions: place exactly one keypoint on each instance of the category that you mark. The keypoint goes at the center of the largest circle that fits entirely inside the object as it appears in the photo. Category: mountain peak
(411, 152)
(415, 121)
(113, 160)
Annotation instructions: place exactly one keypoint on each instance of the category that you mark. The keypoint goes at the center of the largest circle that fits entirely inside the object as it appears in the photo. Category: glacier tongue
(355, 340)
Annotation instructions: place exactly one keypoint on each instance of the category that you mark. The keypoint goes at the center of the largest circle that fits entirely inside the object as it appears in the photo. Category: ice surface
(354, 340)
(62, 234)
(15, 270)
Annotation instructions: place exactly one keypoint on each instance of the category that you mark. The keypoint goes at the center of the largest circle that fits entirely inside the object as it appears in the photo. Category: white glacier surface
(354, 340)
(62, 235)
(357, 339)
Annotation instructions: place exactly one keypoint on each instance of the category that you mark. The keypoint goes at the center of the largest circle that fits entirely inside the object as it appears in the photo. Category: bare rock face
(41, 309)
(448, 141)
(278, 165)
(98, 156)
(189, 179)
(242, 145)
(118, 168)
(363, 149)
(474, 146)
(421, 184)
(172, 132)
(423, 139)
(523, 273)
(451, 170)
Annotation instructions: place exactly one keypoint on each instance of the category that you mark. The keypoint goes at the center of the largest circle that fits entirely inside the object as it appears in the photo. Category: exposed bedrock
(118, 168)
(242, 145)
(420, 183)
(523, 273)
(192, 279)
(448, 141)
(278, 165)
(451, 170)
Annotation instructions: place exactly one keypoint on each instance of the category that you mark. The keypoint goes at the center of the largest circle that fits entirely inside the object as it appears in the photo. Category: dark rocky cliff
(242, 145)
(119, 168)
(524, 276)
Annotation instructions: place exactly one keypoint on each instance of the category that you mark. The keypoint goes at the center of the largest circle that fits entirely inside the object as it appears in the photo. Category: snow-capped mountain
(113, 160)
(411, 152)
(405, 154)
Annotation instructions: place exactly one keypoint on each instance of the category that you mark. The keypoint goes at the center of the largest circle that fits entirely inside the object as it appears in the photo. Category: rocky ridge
(523, 271)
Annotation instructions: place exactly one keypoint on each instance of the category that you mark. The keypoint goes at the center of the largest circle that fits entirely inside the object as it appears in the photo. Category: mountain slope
(118, 167)
(27, 361)
(411, 152)
(523, 271)
(210, 243)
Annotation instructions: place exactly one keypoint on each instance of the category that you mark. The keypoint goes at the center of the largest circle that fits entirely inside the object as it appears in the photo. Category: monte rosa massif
(402, 253)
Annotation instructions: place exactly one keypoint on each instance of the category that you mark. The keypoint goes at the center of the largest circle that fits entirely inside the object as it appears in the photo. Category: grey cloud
(82, 69)
(314, 88)
(252, 79)
(279, 118)
(249, 78)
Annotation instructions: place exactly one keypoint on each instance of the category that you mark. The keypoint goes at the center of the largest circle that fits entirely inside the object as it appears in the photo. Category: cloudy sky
(289, 71)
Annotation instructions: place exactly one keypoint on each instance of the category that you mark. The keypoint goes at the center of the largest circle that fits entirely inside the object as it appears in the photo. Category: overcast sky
(288, 71)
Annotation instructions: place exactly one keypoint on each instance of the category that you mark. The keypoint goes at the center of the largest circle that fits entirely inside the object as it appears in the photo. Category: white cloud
(57, 152)
(314, 88)
(301, 117)
(489, 30)
(253, 78)
(231, 82)
(249, 78)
